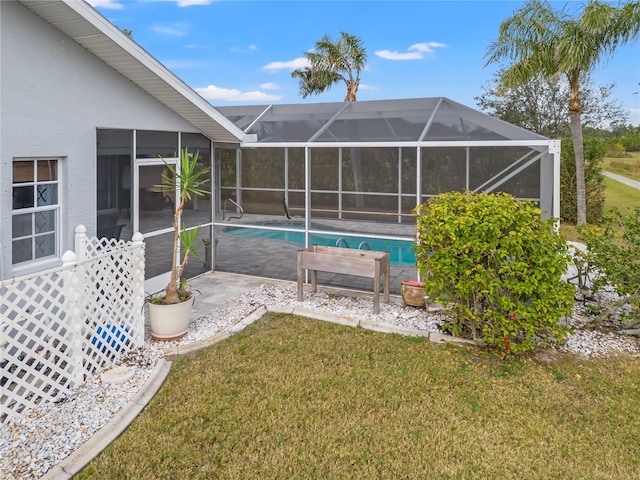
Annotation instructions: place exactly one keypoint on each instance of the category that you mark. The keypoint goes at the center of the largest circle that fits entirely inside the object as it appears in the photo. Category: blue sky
(242, 52)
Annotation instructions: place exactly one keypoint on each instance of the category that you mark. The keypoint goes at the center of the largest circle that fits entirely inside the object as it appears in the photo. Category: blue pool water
(400, 251)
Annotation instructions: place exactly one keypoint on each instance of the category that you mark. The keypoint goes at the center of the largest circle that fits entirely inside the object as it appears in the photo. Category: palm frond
(331, 62)
(538, 40)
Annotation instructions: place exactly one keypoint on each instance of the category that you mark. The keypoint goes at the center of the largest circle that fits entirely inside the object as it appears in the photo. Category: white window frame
(56, 207)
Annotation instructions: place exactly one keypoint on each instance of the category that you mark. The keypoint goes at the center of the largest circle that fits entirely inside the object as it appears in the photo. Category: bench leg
(387, 279)
(376, 288)
(314, 281)
(376, 294)
(300, 274)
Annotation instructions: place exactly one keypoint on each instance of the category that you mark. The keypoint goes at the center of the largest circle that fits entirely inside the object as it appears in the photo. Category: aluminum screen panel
(380, 121)
(404, 120)
(286, 123)
(243, 116)
(454, 121)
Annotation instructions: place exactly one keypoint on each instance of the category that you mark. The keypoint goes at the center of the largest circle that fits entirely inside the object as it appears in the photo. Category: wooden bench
(347, 261)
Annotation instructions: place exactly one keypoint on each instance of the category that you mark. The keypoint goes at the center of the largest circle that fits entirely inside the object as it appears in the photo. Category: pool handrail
(364, 244)
(224, 210)
(342, 240)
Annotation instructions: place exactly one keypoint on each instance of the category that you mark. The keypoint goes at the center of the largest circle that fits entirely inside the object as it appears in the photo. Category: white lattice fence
(60, 326)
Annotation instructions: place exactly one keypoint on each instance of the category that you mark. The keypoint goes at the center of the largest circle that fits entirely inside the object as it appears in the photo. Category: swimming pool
(400, 251)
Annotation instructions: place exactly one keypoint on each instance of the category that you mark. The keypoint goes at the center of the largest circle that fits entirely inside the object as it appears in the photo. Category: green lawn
(620, 196)
(616, 195)
(296, 398)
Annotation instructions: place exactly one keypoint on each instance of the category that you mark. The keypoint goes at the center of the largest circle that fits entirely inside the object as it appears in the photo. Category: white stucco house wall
(85, 114)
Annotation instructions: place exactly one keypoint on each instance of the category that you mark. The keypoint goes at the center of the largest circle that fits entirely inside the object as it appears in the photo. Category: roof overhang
(86, 26)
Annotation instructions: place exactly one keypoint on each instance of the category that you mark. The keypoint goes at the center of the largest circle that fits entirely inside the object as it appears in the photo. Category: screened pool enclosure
(351, 173)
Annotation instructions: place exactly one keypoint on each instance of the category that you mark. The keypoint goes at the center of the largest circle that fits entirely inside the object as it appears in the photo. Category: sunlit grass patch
(620, 196)
(616, 195)
(297, 398)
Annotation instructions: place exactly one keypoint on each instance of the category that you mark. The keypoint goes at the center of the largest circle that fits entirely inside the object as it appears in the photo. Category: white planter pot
(170, 322)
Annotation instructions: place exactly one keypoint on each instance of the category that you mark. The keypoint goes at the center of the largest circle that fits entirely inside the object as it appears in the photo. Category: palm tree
(330, 63)
(540, 41)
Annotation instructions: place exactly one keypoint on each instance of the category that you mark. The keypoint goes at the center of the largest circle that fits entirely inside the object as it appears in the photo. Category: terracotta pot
(413, 293)
(170, 322)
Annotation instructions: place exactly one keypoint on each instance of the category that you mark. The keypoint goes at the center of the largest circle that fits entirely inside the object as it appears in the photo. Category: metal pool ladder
(342, 240)
(361, 246)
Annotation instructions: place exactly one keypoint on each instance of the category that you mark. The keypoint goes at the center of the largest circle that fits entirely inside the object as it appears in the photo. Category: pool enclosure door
(153, 217)
(130, 164)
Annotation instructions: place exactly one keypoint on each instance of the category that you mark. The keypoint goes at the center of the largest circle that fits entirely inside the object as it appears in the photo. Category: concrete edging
(80, 458)
(325, 317)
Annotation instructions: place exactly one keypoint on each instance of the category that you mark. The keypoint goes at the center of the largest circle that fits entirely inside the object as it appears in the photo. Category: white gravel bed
(33, 443)
(271, 295)
(45, 435)
(594, 343)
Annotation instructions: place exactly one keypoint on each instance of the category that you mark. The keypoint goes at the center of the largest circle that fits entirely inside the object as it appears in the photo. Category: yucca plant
(189, 180)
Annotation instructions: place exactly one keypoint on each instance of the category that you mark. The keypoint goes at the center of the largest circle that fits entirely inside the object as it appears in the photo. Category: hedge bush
(614, 252)
(594, 150)
(498, 265)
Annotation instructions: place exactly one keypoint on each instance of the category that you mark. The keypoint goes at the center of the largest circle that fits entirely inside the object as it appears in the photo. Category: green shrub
(631, 142)
(614, 251)
(594, 150)
(498, 265)
(615, 150)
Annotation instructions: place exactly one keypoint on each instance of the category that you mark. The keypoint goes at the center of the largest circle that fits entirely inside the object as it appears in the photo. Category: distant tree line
(540, 105)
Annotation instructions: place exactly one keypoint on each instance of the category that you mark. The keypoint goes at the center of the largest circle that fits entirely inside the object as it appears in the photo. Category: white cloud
(188, 3)
(180, 3)
(250, 48)
(269, 86)
(110, 4)
(234, 95)
(414, 52)
(299, 62)
(364, 86)
(175, 30)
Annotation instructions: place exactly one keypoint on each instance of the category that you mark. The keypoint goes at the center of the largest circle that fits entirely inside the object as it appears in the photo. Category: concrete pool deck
(277, 259)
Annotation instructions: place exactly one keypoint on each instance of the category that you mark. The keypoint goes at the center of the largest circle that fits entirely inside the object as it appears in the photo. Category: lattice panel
(100, 246)
(61, 326)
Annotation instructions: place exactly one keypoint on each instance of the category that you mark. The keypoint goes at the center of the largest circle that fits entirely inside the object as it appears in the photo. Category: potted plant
(170, 312)
(413, 293)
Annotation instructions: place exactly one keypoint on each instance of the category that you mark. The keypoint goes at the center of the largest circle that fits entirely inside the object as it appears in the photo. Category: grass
(569, 232)
(297, 398)
(620, 196)
(616, 195)
(628, 166)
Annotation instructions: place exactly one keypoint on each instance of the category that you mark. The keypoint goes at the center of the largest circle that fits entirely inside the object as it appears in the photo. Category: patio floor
(277, 259)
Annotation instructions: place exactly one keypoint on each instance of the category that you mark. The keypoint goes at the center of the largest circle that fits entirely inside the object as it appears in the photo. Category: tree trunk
(356, 166)
(352, 88)
(575, 109)
(171, 291)
(356, 154)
